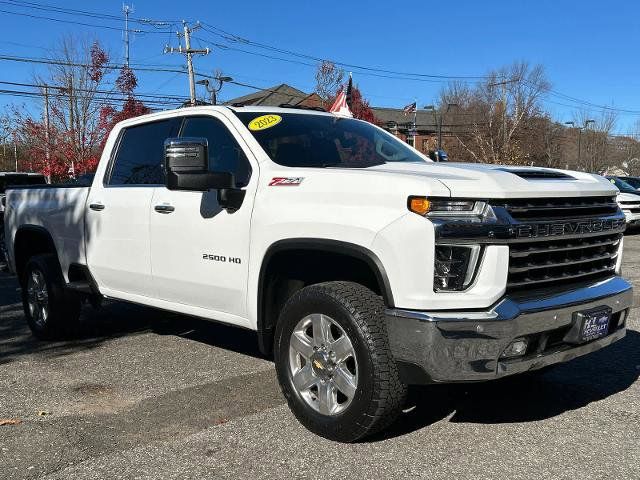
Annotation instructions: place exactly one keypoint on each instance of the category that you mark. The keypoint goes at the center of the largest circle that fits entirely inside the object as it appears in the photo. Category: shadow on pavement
(525, 398)
(113, 320)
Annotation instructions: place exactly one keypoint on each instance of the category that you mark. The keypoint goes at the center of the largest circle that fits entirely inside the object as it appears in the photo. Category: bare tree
(596, 130)
(498, 111)
(76, 82)
(7, 128)
(329, 78)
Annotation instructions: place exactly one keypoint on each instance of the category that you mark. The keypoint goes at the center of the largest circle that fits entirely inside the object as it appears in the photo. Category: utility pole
(189, 52)
(126, 9)
(47, 147)
(72, 170)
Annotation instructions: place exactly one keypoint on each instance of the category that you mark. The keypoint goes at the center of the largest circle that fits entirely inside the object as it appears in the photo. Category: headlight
(454, 266)
(447, 207)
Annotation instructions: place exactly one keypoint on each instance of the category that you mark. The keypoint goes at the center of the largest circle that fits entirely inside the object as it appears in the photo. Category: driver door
(200, 251)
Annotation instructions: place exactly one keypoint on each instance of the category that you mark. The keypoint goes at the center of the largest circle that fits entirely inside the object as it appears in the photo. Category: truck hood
(478, 180)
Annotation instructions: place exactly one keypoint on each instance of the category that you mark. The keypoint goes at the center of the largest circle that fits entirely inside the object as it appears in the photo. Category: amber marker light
(419, 205)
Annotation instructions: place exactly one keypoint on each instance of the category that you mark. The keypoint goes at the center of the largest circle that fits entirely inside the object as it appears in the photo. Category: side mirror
(186, 164)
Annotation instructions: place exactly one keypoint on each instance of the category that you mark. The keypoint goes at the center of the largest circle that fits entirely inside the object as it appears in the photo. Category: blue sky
(589, 49)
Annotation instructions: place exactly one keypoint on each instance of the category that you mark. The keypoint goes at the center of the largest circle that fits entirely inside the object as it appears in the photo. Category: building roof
(425, 119)
(273, 96)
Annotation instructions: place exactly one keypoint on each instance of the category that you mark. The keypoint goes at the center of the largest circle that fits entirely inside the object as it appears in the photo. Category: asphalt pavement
(148, 394)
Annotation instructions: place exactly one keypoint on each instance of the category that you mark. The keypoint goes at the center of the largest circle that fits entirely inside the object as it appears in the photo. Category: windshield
(623, 186)
(18, 180)
(633, 181)
(300, 140)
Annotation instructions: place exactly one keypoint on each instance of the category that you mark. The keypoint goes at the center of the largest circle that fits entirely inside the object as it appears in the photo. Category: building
(394, 120)
(282, 94)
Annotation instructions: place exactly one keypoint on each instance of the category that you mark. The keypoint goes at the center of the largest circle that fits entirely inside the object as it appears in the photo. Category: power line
(238, 39)
(92, 25)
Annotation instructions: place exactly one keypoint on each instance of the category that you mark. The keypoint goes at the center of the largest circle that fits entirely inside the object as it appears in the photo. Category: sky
(589, 49)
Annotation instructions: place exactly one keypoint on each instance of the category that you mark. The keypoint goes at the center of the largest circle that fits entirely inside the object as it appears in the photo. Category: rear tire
(51, 312)
(319, 327)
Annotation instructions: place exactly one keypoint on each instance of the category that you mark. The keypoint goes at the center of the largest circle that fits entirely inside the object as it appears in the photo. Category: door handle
(164, 208)
(96, 206)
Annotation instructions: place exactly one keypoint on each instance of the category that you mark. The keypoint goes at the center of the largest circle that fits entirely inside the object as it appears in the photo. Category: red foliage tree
(109, 116)
(80, 121)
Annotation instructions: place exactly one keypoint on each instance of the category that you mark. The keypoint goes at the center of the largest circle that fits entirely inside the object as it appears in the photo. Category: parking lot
(148, 394)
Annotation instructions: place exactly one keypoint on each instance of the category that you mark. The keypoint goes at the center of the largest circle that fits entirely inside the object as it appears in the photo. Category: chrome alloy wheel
(322, 364)
(38, 298)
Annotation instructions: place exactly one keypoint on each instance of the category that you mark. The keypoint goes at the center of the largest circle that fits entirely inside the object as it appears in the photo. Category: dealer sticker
(263, 122)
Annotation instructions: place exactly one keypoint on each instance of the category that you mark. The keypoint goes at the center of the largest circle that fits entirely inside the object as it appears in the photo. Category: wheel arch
(31, 240)
(338, 261)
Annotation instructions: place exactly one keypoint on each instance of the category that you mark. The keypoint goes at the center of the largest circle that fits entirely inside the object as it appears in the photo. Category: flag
(349, 87)
(340, 106)
(411, 108)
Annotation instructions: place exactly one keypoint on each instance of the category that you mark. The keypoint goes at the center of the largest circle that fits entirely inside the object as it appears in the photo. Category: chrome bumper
(466, 346)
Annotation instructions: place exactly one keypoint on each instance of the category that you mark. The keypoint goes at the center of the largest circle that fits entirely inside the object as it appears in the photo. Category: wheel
(333, 361)
(50, 311)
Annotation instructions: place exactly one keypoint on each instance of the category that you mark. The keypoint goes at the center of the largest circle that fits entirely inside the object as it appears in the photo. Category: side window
(225, 154)
(140, 153)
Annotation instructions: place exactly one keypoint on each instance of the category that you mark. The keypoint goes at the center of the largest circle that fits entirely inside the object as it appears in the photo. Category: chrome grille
(535, 209)
(633, 206)
(550, 260)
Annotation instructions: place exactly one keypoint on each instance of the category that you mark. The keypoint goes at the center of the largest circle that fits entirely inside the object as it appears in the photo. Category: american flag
(411, 108)
(343, 101)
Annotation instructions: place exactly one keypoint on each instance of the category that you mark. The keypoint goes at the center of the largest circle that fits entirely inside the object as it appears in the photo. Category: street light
(584, 127)
(212, 90)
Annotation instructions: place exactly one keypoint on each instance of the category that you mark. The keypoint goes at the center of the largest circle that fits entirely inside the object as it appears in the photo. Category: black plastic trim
(319, 244)
(84, 269)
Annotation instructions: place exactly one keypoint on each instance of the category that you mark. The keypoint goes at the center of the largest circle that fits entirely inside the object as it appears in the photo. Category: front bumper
(466, 346)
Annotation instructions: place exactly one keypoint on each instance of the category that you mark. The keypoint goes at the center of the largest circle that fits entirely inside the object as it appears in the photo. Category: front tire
(333, 361)
(51, 312)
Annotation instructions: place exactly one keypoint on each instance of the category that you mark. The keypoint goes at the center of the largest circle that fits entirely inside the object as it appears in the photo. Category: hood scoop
(538, 174)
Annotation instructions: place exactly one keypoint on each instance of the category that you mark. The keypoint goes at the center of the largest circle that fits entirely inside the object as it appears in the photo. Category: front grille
(562, 261)
(633, 206)
(552, 260)
(536, 209)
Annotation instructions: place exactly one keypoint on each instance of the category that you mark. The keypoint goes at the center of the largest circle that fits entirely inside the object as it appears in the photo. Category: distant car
(633, 181)
(628, 199)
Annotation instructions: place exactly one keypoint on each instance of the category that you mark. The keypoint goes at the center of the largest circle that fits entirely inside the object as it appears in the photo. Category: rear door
(117, 216)
(199, 251)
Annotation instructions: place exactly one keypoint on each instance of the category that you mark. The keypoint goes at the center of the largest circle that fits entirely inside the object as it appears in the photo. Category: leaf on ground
(43, 413)
(220, 421)
(10, 421)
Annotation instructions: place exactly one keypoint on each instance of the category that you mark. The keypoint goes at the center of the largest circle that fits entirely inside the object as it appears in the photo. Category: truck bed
(59, 209)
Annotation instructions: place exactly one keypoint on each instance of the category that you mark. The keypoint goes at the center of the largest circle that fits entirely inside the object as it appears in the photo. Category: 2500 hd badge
(221, 258)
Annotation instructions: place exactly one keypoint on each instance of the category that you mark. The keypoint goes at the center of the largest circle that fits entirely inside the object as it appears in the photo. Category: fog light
(517, 348)
(454, 266)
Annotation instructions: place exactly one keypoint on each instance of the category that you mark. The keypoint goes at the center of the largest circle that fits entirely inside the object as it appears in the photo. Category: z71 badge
(285, 181)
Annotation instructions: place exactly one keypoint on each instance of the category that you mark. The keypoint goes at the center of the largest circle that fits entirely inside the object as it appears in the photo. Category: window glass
(225, 155)
(18, 180)
(140, 156)
(315, 140)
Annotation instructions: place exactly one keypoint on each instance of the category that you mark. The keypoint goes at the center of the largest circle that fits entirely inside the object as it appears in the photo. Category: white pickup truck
(362, 265)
